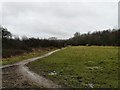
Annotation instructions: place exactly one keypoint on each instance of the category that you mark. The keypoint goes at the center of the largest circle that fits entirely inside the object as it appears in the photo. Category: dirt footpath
(18, 75)
(12, 78)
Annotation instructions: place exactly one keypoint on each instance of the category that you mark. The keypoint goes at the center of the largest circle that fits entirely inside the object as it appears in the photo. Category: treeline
(99, 38)
(17, 46)
(12, 45)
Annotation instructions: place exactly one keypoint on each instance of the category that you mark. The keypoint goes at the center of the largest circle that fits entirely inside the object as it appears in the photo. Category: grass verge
(25, 56)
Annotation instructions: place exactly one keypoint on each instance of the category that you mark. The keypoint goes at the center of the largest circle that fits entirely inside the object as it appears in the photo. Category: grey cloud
(60, 19)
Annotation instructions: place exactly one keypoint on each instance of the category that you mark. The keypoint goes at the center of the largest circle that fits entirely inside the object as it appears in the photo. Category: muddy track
(28, 76)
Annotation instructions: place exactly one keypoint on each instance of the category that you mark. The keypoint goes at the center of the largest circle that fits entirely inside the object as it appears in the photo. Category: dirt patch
(12, 78)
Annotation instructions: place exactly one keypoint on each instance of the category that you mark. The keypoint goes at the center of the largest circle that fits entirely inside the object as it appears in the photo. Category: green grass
(25, 56)
(81, 66)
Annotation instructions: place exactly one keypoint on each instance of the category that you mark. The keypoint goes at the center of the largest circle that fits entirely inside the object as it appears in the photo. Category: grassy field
(25, 56)
(81, 66)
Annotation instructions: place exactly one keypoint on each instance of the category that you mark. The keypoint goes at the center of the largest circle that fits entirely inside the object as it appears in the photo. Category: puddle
(52, 73)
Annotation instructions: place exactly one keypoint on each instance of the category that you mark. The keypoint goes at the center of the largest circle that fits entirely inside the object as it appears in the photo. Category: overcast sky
(58, 19)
